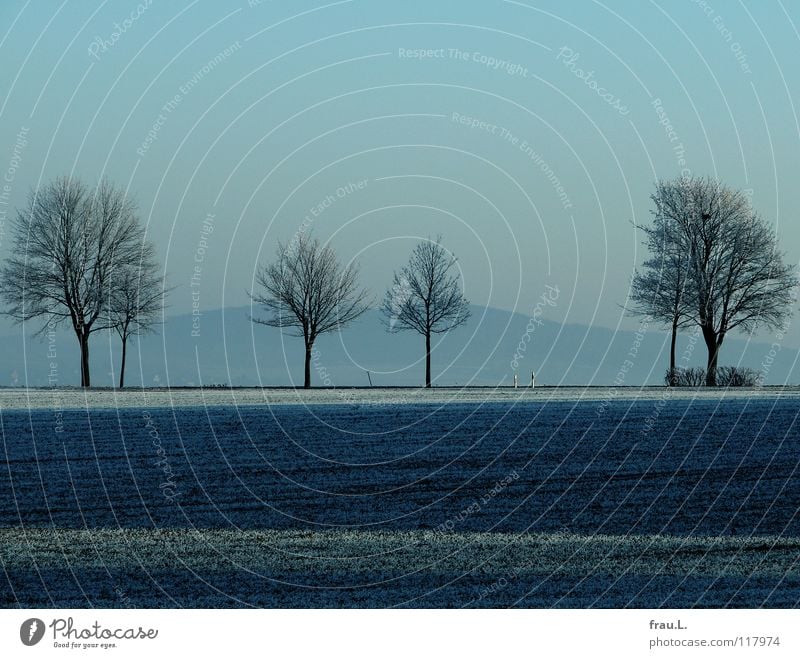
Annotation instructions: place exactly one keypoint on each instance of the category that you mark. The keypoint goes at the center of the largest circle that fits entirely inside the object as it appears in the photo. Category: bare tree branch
(68, 243)
(424, 297)
(721, 255)
(135, 299)
(309, 293)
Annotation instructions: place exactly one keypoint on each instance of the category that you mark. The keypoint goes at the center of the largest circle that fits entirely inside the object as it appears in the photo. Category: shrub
(727, 376)
(731, 376)
(686, 377)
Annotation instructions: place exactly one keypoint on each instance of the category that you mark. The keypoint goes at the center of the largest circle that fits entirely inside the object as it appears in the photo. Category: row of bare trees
(309, 292)
(81, 258)
(714, 264)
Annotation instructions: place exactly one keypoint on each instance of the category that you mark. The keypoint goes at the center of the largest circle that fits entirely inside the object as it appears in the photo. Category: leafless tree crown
(714, 263)
(736, 271)
(660, 288)
(425, 297)
(69, 243)
(307, 290)
(137, 295)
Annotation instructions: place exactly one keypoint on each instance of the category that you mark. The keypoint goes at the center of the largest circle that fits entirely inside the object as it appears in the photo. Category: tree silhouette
(309, 292)
(660, 289)
(136, 300)
(425, 298)
(68, 243)
(736, 275)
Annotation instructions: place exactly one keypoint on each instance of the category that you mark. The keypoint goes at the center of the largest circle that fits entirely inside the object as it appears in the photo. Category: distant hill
(230, 349)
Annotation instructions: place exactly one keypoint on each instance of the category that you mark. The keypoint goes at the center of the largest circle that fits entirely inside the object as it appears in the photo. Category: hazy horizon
(529, 137)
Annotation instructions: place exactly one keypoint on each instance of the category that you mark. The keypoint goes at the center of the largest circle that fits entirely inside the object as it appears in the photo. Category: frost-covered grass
(614, 501)
(72, 398)
(365, 552)
(158, 567)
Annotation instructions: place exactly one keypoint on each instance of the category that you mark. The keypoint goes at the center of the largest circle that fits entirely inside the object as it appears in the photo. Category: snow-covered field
(72, 398)
(214, 568)
(375, 497)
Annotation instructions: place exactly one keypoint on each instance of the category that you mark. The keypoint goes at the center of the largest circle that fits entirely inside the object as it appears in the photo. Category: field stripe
(358, 553)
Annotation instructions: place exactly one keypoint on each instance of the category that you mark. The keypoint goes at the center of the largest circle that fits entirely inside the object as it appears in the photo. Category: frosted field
(20, 398)
(224, 568)
(401, 497)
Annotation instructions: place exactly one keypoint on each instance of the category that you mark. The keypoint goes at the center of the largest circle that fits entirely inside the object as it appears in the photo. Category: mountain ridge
(224, 347)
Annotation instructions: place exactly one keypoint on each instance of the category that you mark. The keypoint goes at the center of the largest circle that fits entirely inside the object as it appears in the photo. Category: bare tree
(136, 300)
(737, 278)
(425, 298)
(309, 292)
(67, 244)
(660, 289)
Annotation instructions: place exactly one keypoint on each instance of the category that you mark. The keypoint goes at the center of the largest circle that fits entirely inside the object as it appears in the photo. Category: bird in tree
(426, 297)
(309, 292)
(737, 278)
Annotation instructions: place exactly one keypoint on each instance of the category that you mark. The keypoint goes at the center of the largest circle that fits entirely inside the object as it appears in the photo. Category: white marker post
(515, 380)
(533, 379)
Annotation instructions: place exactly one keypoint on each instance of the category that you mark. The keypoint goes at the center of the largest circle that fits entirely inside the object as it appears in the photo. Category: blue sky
(528, 134)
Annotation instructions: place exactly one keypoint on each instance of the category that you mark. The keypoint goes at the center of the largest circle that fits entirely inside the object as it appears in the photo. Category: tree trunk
(713, 344)
(428, 360)
(672, 364)
(307, 375)
(122, 363)
(84, 343)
